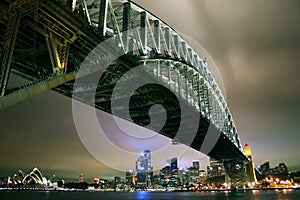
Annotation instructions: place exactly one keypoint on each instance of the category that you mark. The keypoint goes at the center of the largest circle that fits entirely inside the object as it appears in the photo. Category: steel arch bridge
(46, 42)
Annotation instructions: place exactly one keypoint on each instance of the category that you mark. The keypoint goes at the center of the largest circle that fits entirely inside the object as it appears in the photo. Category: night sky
(256, 46)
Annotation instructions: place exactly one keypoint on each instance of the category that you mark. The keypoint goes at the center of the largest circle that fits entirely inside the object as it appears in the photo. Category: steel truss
(57, 35)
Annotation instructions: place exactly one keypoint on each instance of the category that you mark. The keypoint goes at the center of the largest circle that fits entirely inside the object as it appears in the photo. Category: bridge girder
(78, 26)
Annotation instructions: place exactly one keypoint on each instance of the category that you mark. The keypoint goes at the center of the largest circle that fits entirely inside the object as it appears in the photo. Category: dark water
(246, 195)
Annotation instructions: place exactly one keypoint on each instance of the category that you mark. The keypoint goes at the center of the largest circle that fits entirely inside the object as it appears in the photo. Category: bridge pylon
(250, 170)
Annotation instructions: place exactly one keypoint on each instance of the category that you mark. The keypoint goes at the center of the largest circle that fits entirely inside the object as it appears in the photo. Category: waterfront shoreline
(162, 191)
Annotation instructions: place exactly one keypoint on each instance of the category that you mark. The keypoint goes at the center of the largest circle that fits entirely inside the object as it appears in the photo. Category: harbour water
(230, 195)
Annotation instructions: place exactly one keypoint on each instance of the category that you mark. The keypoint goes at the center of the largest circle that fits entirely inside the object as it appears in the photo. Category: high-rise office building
(264, 169)
(169, 173)
(196, 165)
(144, 169)
(202, 175)
(281, 171)
(282, 168)
(165, 174)
(183, 175)
(215, 168)
(174, 172)
(174, 168)
(130, 178)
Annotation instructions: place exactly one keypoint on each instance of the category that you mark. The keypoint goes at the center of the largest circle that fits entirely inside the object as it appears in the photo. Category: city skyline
(250, 51)
(144, 173)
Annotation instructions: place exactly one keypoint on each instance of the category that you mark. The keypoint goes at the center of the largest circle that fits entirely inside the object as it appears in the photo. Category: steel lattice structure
(46, 41)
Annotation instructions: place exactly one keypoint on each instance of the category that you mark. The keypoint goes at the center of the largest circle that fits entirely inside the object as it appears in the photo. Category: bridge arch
(65, 35)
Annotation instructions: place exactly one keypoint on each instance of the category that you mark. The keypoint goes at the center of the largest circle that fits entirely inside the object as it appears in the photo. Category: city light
(170, 178)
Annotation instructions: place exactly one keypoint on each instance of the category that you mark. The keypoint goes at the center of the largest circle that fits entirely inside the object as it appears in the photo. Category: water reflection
(285, 194)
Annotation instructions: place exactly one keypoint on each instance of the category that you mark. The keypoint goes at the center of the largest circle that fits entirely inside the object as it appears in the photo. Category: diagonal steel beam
(126, 24)
(58, 53)
(7, 50)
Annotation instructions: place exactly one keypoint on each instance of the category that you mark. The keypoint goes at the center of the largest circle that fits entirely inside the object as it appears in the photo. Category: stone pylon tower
(251, 177)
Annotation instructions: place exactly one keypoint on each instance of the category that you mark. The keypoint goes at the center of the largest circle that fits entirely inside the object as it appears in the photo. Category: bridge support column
(169, 74)
(251, 176)
(176, 43)
(201, 95)
(131, 46)
(184, 51)
(186, 83)
(71, 4)
(158, 71)
(143, 32)
(206, 101)
(168, 41)
(235, 173)
(126, 23)
(157, 35)
(85, 11)
(179, 83)
(103, 17)
(190, 57)
(7, 50)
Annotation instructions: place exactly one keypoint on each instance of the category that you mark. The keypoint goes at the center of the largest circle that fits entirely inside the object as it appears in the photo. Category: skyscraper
(144, 169)
(130, 178)
(174, 171)
(215, 168)
(264, 169)
(174, 167)
(165, 174)
(281, 171)
(196, 165)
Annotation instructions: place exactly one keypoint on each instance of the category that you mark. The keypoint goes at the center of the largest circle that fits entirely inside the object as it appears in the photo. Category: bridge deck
(49, 27)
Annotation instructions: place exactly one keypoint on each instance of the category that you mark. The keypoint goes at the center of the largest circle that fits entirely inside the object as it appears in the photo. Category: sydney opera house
(34, 177)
